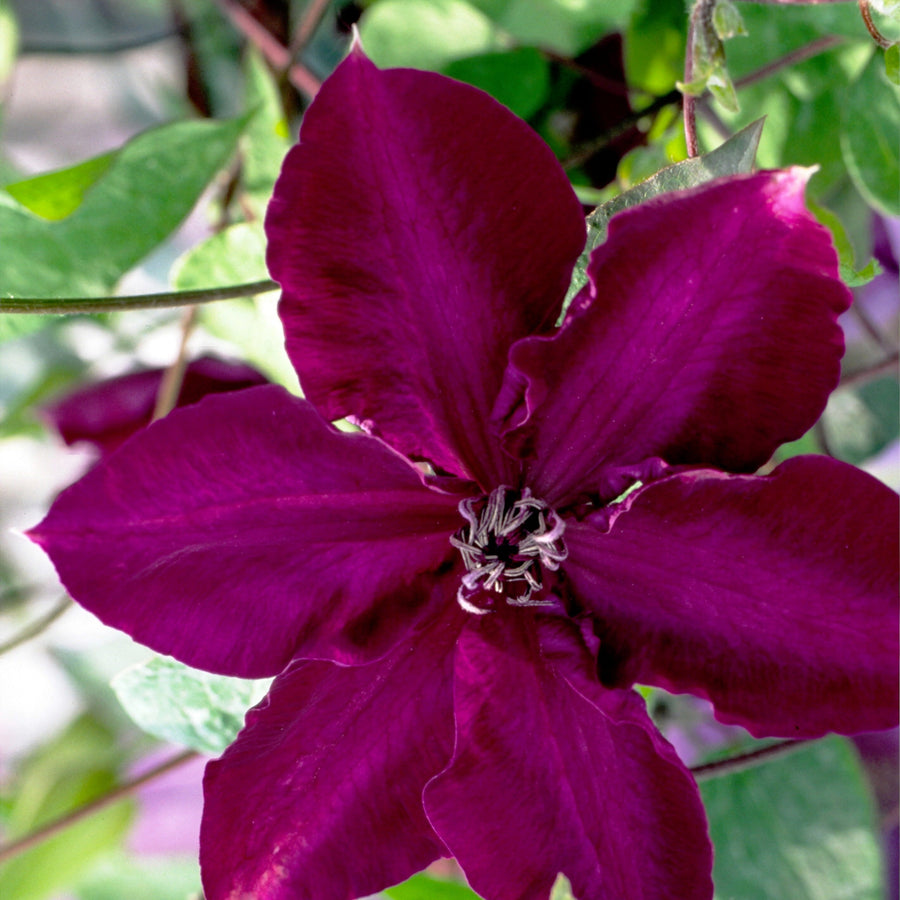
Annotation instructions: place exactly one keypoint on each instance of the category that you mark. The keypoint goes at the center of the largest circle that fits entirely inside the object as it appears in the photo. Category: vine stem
(34, 628)
(165, 300)
(746, 760)
(701, 15)
(123, 791)
(877, 36)
(312, 15)
(170, 386)
(274, 51)
(884, 367)
(813, 48)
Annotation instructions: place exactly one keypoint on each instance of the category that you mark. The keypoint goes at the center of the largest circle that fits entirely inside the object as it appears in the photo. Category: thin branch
(886, 366)
(173, 378)
(313, 13)
(700, 17)
(274, 51)
(877, 36)
(585, 151)
(813, 48)
(123, 791)
(745, 760)
(166, 300)
(874, 332)
(33, 629)
(595, 78)
(797, 2)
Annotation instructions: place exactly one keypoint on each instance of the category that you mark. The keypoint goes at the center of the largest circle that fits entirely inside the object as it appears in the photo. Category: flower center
(510, 538)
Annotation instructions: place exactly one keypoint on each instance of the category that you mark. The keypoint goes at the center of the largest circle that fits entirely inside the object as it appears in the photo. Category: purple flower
(459, 600)
(106, 413)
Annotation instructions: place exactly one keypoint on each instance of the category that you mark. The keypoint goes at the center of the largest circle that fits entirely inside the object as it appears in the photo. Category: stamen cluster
(511, 537)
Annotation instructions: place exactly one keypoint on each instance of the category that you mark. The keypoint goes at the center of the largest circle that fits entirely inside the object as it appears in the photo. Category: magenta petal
(321, 794)
(775, 597)
(552, 773)
(275, 536)
(709, 337)
(417, 230)
(108, 412)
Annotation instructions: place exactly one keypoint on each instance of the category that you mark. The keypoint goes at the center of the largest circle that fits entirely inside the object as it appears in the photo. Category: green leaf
(423, 887)
(120, 877)
(801, 826)
(734, 157)
(235, 256)
(562, 889)
(148, 189)
(861, 421)
(9, 40)
(850, 274)
(426, 34)
(561, 25)
(519, 79)
(55, 195)
(870, 124)
(654, 45)
(854, 277)
(186, 706)
(266, 139)
(892, 63)
(728, 21)
(76, 767)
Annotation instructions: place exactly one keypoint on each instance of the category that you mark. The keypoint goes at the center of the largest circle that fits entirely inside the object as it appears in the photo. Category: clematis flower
(106, 413)
(457, 599)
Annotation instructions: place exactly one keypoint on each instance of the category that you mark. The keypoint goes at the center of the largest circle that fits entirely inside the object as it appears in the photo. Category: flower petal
(108, 412)
(709, 337)
(321, 794)
(552, 773)
(270, 535)
(417, 230)
(774, 597)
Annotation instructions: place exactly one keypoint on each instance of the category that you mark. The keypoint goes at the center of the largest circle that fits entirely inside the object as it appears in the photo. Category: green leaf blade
(805, 828)
(186, 706)
(736, 156)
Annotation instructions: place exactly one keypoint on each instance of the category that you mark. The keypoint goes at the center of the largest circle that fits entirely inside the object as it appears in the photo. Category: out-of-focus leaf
(426, 34)
(654, 45)
(55, 195)
(808, 443)
(9, 40)
(234, 256)
(870, 124)
(560, 25)
(423, 887)
(75, 768)
(148, 189)
(125, 878)
(892, 63)
(859, 422)
(91, 673)
(801, 826)
(266, 138)
(733, 157)
(520, 78)
(562, 889)
(186, 706)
